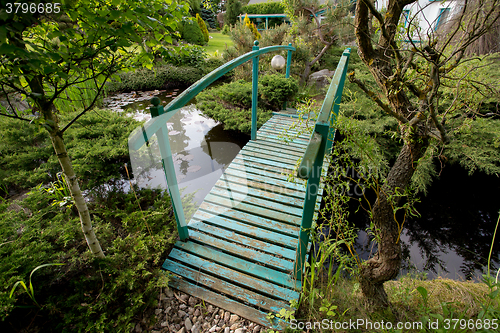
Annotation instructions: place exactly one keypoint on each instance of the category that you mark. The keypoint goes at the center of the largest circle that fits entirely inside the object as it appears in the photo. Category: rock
(213, 328)
(183, 306)
(169, 292)
(320, 78)
(240, 330)
(210, 308)
(226, 330)
(185, 297)
(197, 313)
(164, 324)
(195, 320)
(190, 311)
(217, 317)
(155, 331)
(181, 314)
(192, 301)
(227, 316)
(182, 330)
(205, 326)
(138, 328)
(234, 326)
(221, 322)
(167, 310)
(233, 319)
(256, 329)
(195, 329)
(158, 311)
(188, 324)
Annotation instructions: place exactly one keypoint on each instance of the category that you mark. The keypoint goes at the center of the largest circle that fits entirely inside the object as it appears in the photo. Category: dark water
(453, 235)
(201, 148)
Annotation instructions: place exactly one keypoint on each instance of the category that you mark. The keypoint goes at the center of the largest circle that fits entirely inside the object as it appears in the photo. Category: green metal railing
(320, 144)
(160, 116)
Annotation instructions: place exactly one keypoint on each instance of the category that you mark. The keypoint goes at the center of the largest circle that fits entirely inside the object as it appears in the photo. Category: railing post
(288, 62)
(255, 87)
(337, 100)
(168, 168)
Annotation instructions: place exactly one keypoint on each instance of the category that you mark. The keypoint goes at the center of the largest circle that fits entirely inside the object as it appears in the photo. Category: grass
(217, 43)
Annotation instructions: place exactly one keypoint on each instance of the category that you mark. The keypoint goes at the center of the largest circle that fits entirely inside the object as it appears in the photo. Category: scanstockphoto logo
(357, 324)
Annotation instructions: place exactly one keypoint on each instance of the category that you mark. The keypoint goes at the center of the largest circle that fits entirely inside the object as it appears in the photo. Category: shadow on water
(453, 234)
(201, 148)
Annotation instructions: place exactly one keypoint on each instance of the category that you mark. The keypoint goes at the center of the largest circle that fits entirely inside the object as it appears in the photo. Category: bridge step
(243, 238)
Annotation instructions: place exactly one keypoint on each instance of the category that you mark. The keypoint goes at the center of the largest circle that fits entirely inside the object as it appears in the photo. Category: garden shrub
(250, 25)
(266, 8)
(191, 33)
(203, 27)
(157, 78)
(231, 103)
(186, 55)
(86, 294)
(225, 30)
(96, 144)
(208, 16)
(275, 89)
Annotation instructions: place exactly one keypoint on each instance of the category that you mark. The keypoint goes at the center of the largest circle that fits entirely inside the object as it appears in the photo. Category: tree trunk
(52, 126)
(385, 265)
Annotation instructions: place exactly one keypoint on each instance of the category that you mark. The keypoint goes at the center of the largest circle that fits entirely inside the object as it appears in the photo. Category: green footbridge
(245, 248)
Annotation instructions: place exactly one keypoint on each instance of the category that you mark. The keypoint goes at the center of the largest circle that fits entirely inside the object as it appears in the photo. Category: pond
(201, 148)
(451, 238)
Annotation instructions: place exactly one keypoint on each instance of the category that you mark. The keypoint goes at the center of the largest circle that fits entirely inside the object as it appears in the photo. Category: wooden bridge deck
(243, 238)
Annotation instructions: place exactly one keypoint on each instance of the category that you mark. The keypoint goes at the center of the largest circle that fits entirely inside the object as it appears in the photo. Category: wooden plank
(289, 227)
(270, 192)
(288, 144)
(244, 280)
(198, 278)
(257, 168)
(288, 133)
(266, 162)
(225, 303)
(282, 154)
(249, 203)
(268, 156)
(242, 251)
(243, 239)
(296, 141)
(250, 268)
(246, 229)
(274, 147)
(263, 179)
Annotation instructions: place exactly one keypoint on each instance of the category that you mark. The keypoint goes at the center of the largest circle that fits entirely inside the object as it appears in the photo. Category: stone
(190, 311)
(197, 313)
(234, 326)
(158, 311)
(240, 330)
(213, 328)
(181, 314)
(256, 329)
(210, 308)
(167, 310)
(138, 328)
(233, 319)
(164, 324)
(195, 329)
(227, 316)
(163, 297)
(169, 292)
(188, 324)
(192, 301)
(320, 78)
(227, 330)
(182, 330)
(205, 326)
(185, 297)
(183, 306)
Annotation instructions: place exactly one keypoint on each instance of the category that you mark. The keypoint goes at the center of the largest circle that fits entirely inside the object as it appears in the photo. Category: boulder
(320, 78)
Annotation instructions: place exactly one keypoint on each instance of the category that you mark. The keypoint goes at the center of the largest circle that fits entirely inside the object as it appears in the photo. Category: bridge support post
(169, 169)
(255, 87)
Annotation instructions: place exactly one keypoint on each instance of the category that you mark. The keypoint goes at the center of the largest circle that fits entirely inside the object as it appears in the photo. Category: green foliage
(266, 8)
(97, 145)
(209, 18)
(203, 27)
(250, 25)
(145, 79)
(276, 89)
(233, 9)
(225, 29)
(98, 295)
(192, 33)
(186, 55)
(231, 103)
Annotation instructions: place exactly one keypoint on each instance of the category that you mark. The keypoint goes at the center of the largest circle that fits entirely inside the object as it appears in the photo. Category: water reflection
(452, 237)
(200, 148)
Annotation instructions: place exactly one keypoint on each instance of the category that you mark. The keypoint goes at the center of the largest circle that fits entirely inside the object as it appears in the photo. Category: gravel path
(180, 313)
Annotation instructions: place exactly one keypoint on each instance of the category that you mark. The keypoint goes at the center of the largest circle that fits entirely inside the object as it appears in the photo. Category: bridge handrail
(160, 116)
(319, 145)
(183, 98)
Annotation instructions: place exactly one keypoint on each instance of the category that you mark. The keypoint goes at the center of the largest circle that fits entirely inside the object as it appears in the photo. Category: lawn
(217, 43)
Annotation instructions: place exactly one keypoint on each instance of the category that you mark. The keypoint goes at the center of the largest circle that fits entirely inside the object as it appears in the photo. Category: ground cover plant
(217, 44)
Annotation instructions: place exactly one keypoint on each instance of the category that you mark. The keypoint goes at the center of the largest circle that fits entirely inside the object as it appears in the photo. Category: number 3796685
(33, 8)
